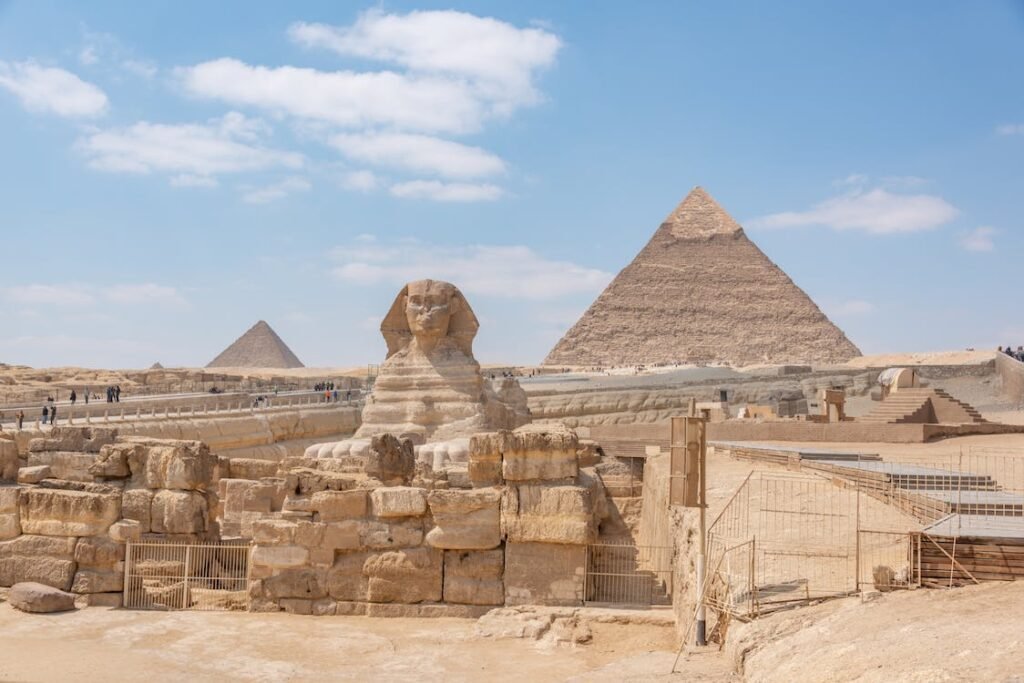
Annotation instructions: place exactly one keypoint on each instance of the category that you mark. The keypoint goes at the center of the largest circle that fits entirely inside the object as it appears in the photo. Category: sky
(172, 172)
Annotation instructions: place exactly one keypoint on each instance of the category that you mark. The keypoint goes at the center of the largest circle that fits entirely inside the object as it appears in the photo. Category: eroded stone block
(465, 519)
(474, 577)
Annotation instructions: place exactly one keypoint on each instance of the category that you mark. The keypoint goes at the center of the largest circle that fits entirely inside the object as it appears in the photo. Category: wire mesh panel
(177, 576)
(624, 573)
(889, 560)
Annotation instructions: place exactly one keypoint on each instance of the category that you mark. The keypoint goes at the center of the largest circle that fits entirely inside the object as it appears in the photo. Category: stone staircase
(922, 406)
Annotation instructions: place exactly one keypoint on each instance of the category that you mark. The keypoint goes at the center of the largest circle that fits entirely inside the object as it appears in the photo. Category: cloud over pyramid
(701, 292)
(260, 347)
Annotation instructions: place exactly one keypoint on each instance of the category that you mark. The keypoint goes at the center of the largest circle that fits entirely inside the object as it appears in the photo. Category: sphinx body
(430, 389)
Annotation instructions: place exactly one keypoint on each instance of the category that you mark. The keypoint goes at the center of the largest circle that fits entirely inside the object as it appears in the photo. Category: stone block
(170, 464)
(335, 506)
(474, 577)
(324, 607)
(309, 534)
(137, 504)
(9, 496)
(544, 574)
(125, 530)
(65, 512)
(395, 534)
(8, 460)
(262, 497)
(97, 581)
(484, 468)
(345, 535)
(281, 556)
(58, 547)
(345, 608)
(548, 514)
(273, 531)
(10, 525)
(399, 501)
(306, 583)
(64, 465)
(321, 557)
(346, 580)
(37, 598)
(47, 570)
(465, 519)
(537, 455)
(391, 460)
(303, 481)
(34, 474)
(178, 512)
(296, 606)
(98, 552)
(112, 461)
(232, 493)
(101, 599)
(407, 576)
(250, 468)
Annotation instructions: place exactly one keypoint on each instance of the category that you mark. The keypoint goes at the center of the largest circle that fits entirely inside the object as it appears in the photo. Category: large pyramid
(701, 292)
(260, 347)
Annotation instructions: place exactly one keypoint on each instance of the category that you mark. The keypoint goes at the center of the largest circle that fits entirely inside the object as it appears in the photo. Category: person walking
(117, 393)
(46, 414)
(53, 415)
(87, 396)
(73, 397)
(21, 418)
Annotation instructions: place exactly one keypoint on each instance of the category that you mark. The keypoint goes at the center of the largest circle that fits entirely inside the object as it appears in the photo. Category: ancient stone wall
(81, 494)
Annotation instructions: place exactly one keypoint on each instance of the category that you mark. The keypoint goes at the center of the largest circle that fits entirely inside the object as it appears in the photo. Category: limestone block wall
(70, 532)
(1011, 374)
(513, 530)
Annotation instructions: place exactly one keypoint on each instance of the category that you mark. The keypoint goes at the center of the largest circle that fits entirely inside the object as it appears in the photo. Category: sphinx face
(428, 309)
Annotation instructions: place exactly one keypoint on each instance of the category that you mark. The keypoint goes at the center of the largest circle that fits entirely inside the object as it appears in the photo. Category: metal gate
(176, 576)
(625, 573)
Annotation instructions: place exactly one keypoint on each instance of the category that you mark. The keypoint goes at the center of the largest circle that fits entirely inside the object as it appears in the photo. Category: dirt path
(98, 644)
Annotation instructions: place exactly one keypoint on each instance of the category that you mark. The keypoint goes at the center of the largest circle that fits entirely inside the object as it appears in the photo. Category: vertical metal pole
(856, 567)
(126, 591)
(184, 592)
(701, 578)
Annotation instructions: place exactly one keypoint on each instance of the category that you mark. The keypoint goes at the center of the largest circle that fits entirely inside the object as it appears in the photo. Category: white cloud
(83, 295)
(1010, 129)
(360, 181)
(446, 192)
(419, 153)
(979, 239)
(875, 211)
(852, 307)
(497, 59)
(52, 90)
(342, 98)
(190, 180)
(513, 272)
(278, 190)
(190, 151)
(140, 67)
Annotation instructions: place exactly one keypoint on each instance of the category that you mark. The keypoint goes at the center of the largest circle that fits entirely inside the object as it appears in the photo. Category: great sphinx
(429, 389)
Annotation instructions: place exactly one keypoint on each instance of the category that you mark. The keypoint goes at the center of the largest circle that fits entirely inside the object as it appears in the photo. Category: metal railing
(628, 574)
(181, 576)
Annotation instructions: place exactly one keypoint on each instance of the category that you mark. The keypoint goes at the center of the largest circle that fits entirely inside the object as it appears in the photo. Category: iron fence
(180, 576)
(629, 574)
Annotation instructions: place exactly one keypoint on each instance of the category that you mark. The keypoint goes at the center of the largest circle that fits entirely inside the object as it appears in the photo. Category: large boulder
(40, 599)
(42, 559)
(391, 460)
(465, 520)
(172, 464)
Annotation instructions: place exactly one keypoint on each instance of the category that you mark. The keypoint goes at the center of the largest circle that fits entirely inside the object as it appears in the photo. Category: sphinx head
(429, 311)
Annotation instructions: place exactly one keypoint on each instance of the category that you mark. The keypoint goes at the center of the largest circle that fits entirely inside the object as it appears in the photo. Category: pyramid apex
(700, 216)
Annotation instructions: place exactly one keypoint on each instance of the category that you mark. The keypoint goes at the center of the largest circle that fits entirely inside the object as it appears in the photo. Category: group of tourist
(1016, 355)
(323, 386)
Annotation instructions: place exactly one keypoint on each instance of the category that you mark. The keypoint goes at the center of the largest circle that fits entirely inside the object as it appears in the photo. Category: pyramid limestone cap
(699, 216)
(259, 347)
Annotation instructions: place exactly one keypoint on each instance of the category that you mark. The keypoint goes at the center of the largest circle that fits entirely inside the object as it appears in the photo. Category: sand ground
(101, 644)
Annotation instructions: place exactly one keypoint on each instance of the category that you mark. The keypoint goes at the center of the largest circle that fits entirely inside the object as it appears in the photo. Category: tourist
(74, 396)
(334, 395)
(117, 393)
(348, 396)
(87, 396)
(20, 416)
(53, 415)
(46, 414)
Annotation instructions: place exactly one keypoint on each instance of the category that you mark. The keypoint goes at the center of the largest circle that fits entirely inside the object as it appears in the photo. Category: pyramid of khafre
(701, 292)
(260, 347)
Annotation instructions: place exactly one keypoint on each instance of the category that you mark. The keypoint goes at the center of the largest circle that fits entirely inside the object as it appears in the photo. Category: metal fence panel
(179, 576)
(625, 573)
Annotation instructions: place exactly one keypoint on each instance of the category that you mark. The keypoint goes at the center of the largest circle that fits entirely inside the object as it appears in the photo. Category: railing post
(126, 591)
(184, 592)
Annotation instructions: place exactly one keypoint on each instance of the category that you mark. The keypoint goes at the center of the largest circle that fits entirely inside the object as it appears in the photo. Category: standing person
(117, 393)
(21, 418)
(73, 397)
(46, 414)
(53, 415)
(87, 396)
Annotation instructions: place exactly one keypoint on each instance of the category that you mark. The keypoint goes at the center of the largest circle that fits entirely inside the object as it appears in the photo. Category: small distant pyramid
(701, 292)
(260, 347)
(156, 366)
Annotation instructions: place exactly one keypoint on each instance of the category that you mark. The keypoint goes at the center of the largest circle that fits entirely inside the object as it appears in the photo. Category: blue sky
(172, 172)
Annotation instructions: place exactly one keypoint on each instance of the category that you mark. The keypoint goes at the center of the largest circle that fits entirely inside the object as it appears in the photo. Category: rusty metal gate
(629, 574)
(178, 576)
